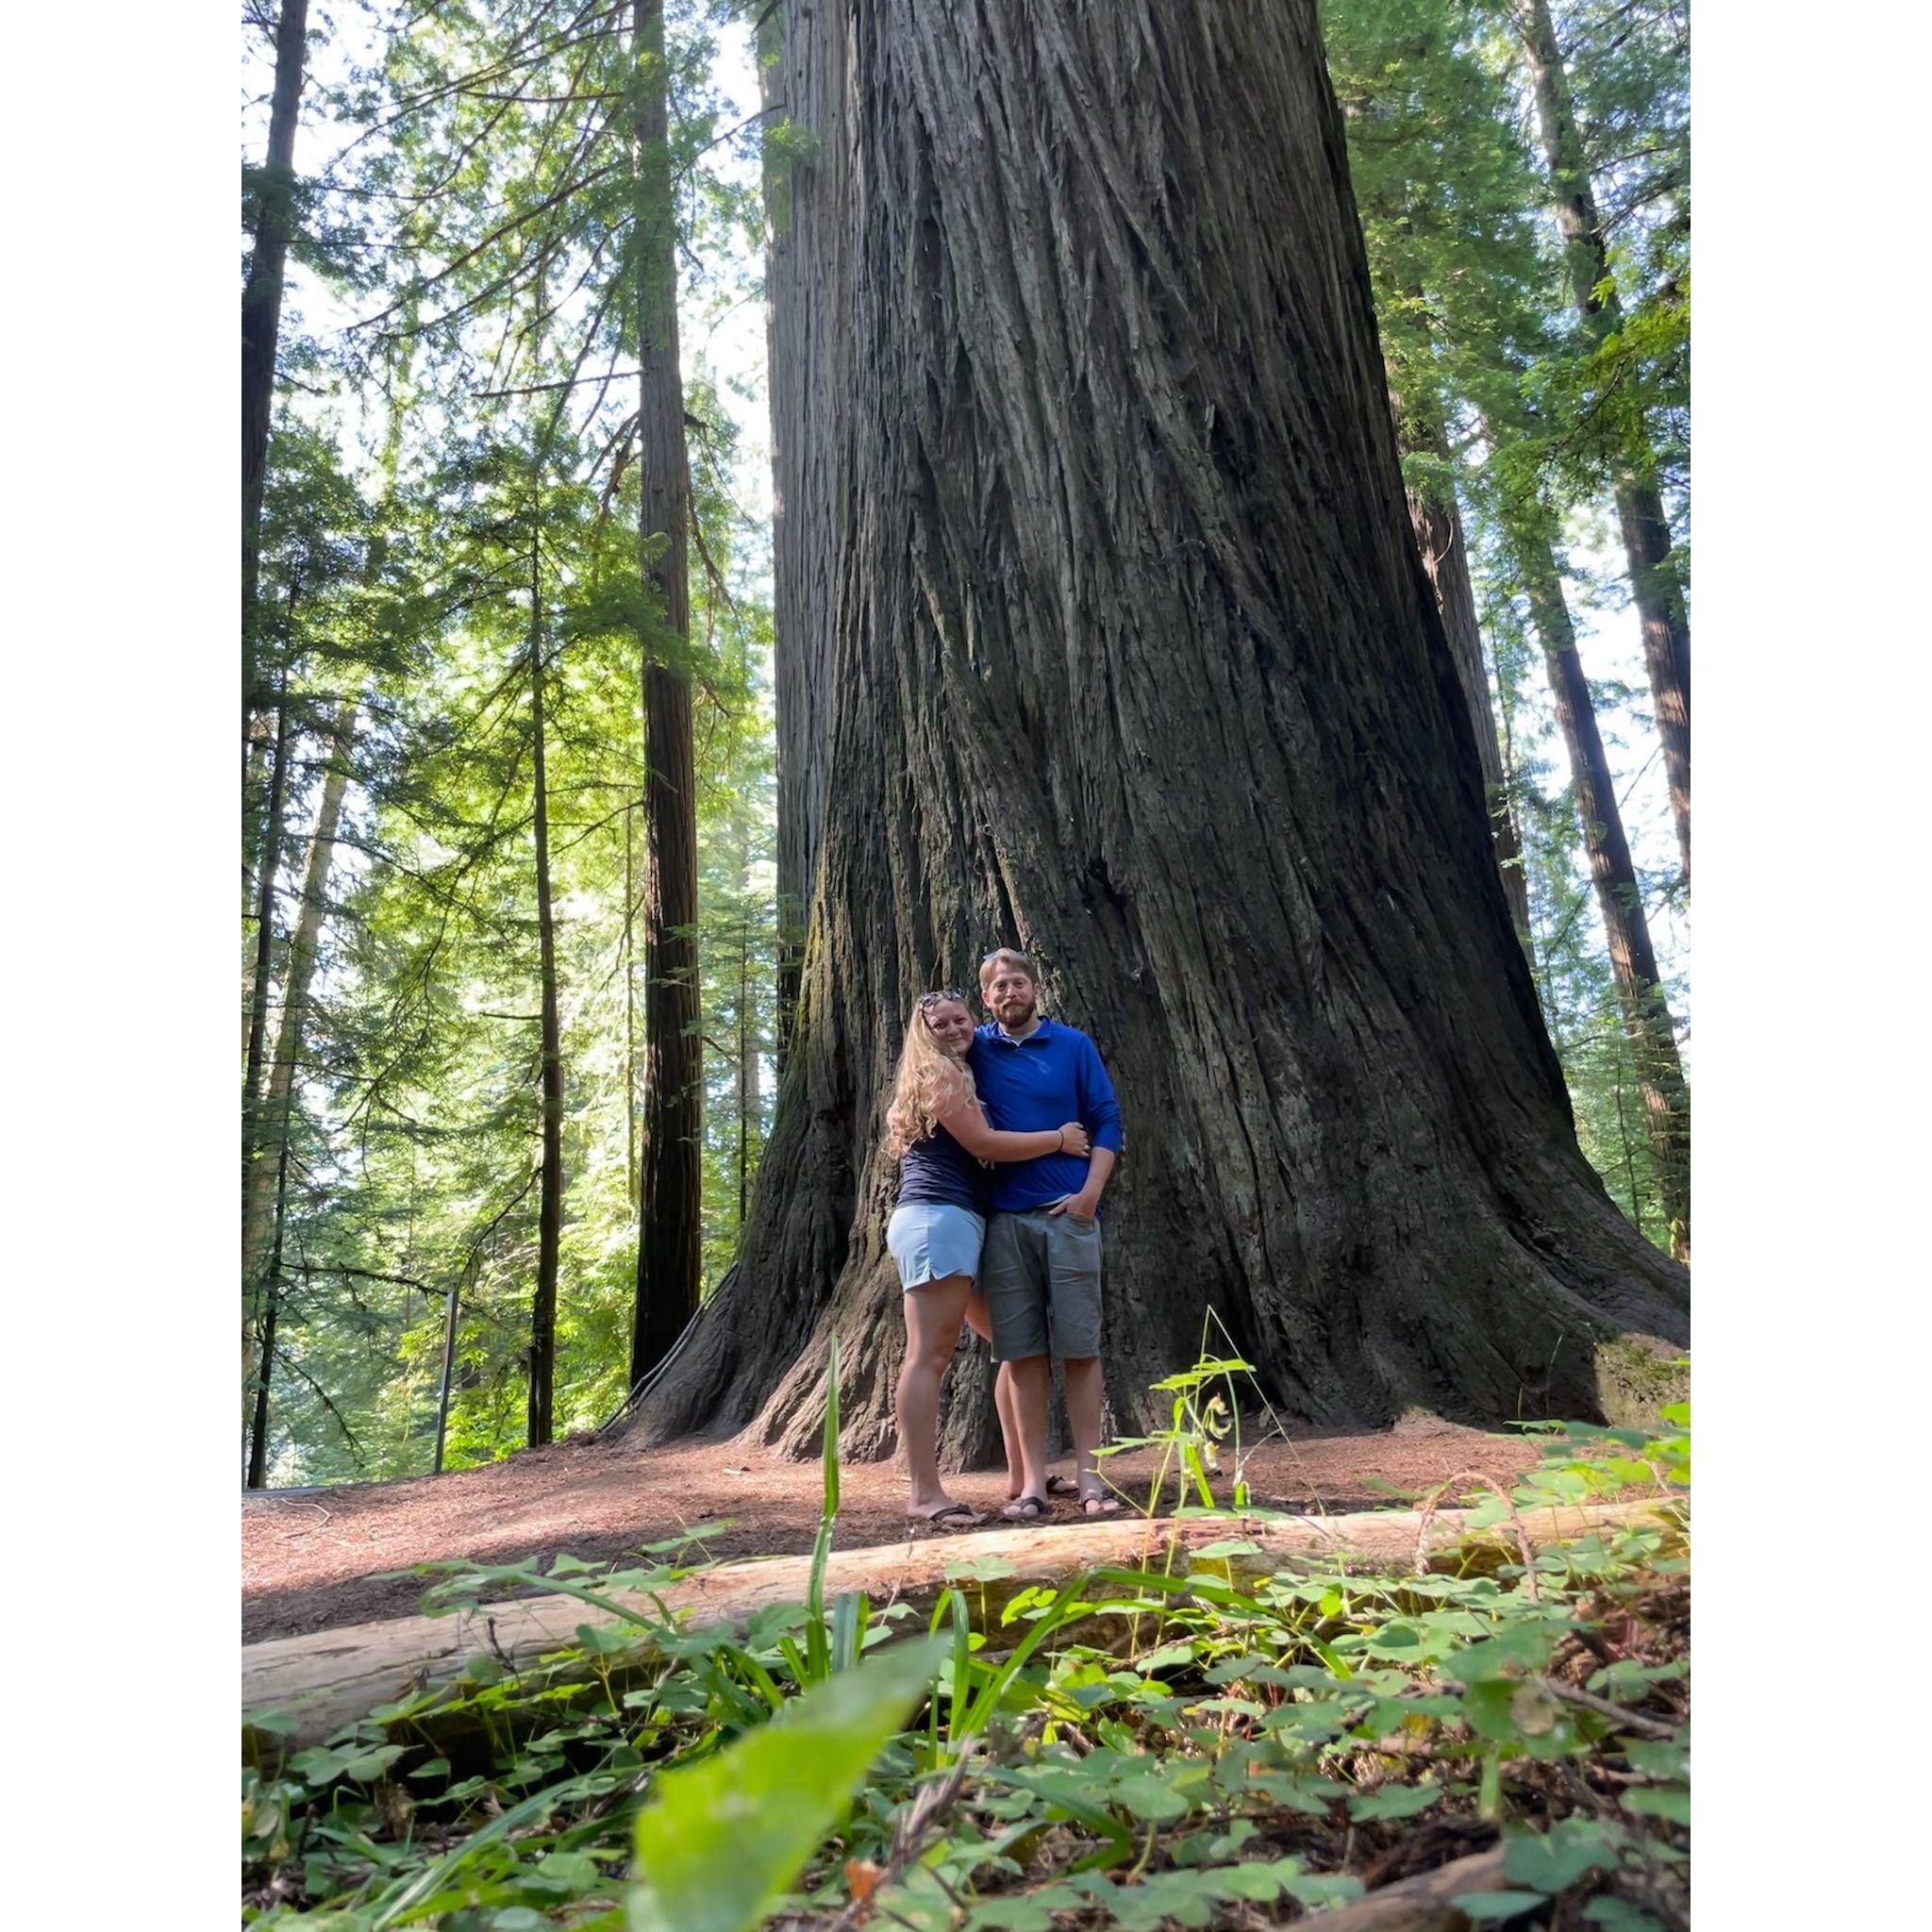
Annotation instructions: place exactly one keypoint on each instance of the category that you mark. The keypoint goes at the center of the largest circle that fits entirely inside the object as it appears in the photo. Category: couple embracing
(1007, 1134)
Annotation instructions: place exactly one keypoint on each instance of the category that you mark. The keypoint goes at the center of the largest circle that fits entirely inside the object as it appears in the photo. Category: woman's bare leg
(981, 1325)
(933, 1313)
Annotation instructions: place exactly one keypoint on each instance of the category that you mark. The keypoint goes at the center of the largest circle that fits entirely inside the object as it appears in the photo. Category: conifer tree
(1640, 513)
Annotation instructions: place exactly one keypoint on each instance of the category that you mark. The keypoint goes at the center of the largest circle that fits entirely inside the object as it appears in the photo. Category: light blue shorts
(933, 1239)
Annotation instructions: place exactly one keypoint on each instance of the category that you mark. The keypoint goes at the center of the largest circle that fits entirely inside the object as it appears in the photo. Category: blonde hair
(929, 1082)
(1006, 956)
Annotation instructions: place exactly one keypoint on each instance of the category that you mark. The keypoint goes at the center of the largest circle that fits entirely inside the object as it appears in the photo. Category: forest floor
(310, 1561)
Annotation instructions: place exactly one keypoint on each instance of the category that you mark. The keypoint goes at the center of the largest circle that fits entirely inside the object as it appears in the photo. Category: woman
(937, 1128)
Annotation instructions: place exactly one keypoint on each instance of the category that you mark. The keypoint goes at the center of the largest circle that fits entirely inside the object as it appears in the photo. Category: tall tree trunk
(256, 1471)
(261, 320)
(630, 1006)
(268, 865)
(260, 1181)
(747, 1064)
(1133, 665)
(807, 284)
(1645, 529)
(1439, 538)
(1633, 961)
(670, 1185)
(1437, 521)
(550, 1074)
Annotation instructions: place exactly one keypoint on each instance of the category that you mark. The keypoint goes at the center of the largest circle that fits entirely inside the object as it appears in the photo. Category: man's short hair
(1006, 955)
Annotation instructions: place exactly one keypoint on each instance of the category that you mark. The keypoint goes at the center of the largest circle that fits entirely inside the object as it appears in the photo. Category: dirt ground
(309, 1560)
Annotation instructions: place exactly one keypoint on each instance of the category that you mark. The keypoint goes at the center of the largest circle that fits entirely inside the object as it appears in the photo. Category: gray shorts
(1040, 1275)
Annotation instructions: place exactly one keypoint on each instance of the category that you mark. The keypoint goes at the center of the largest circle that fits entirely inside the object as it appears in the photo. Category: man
(1040, 1265)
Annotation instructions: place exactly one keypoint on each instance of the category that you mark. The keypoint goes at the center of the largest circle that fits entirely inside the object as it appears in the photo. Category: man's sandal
(1025, 1510)
(1100, 1504)
(955, 1516)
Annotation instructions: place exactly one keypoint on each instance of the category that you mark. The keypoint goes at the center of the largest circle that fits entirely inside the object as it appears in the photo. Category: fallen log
(1419, 1904)
(334, 1678)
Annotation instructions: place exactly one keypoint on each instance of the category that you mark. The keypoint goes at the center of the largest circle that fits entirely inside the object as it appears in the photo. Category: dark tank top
(937, 1169)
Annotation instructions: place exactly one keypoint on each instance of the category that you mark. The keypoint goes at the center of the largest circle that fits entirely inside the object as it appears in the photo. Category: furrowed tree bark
(670, 1182)
(262, 1177)
(1133, 665)
(550, 1078)
(630, 1006)
(747, 1062)
(1640, 517)
(1439, 536)
(261, 320)
(808, 280)
(1437, 521)
(1647, 1019)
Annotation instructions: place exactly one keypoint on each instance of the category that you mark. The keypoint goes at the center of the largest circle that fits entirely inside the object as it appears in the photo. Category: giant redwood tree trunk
(802, 79)
(1133, 664)
(1436, 519)
(670, 1185)
(1444, 550)
(1641, 518)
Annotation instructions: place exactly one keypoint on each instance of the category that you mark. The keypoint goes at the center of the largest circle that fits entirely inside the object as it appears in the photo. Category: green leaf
(1558, 1858)
(604, 1640)
(725, 1836)
(1260, 1884)
(1660, 1801)
(1618, 1915)
(1147, 1797)
(1495, 1904)
(1317, 1888)
(1394, 1801)
(1665, 1758)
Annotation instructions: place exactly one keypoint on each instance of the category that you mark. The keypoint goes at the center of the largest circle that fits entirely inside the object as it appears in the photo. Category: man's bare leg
(1007, 1404)
(1031, 1382)
(1084, 1389)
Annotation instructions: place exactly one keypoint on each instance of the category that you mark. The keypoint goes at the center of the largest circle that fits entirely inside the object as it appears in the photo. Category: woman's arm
(968, 1126)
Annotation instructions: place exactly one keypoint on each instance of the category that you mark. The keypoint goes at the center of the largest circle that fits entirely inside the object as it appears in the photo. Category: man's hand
(1081, 1207)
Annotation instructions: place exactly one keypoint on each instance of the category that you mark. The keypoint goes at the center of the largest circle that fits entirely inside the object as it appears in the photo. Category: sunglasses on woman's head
(932, 999)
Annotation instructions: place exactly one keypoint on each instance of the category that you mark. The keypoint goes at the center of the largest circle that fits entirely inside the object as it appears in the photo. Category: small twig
(908, 1836)
(296, 1534)
(1434, 1501)
(503, 1656)
(1623, 1714)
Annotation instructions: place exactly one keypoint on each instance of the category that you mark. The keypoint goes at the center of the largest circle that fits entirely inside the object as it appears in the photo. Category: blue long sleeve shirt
(1052, 1077)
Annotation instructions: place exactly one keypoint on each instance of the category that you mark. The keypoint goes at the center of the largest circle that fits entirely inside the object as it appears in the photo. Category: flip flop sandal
(955, 1516)
(1100, 1505)
(1061, 1485)
(1025, 1510)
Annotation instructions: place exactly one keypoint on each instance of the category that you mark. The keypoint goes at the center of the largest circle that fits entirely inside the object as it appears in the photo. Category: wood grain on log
(333, 1677)
(1421, 1903)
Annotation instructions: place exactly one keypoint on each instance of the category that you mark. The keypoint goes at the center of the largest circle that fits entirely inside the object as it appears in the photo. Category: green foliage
(1511, 410)
(470, 434)
(722, 1838)
(1152, 1746)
